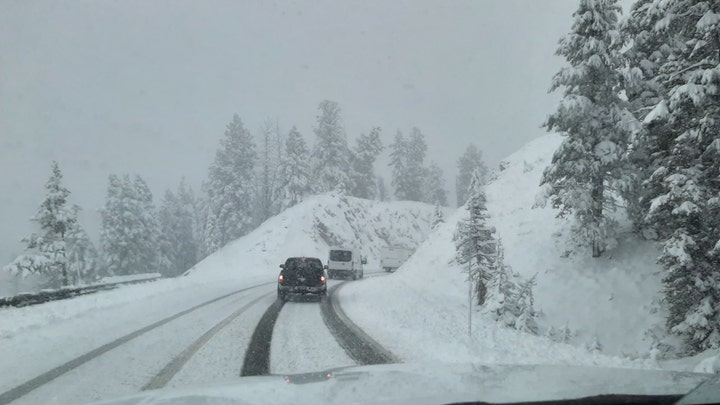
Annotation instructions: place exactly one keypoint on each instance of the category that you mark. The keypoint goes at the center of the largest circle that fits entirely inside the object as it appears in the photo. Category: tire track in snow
(357, 344)
(176, 364)
(257, 356)
(23, 389)
(360, 347)
(301, 342)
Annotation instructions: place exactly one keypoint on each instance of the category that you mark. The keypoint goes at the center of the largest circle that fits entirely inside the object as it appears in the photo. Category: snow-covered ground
(420, 312)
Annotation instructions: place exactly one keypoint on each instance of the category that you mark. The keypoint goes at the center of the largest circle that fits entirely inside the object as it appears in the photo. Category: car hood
(429, 384)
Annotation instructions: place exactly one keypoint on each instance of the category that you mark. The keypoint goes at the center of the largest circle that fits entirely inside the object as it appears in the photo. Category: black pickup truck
(302, 276)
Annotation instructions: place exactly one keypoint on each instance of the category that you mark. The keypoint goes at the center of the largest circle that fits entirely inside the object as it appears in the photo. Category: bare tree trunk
(597, 213)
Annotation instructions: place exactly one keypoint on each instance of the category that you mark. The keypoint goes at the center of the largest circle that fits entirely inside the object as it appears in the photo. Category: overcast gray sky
(147, 87)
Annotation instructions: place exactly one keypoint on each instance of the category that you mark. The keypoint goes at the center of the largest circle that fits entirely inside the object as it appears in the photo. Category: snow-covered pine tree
(230, 188)
(130, 230)
(188, 213)
(382, 189)
(565, 335)
(46, 250)
(434, 185)
(81, 254)
(201, 220)
(438, 217)
(148, 230)
(294, 174)
(407, 157)
(503, 301)
(331, 156)
(363, 157)
(168, 234)
(269, 167)
(684, 187)
(551, 333)
(470, 161)
(177, 242)
(643, 58)
(526, 306)
(112, 234)
(594, 345)
(416, 149)
(475, 242)
(589, 167)
(398, 163)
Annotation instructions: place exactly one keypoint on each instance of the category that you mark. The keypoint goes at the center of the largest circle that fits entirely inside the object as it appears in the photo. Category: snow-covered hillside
(311, 227)
(611, 297)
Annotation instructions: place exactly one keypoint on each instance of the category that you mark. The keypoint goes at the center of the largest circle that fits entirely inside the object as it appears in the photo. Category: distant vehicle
(344, 262)
(392, 257)
(302, 276)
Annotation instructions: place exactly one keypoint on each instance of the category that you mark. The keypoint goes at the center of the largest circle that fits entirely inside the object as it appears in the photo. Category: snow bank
(420, 312)
(611, 296)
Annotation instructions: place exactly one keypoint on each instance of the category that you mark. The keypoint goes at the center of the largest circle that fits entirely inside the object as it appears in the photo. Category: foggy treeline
(252, 178)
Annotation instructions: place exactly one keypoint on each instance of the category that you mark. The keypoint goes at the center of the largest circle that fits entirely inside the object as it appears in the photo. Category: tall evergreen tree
(363, 158)
(331, 156)
(644, 56)
(382, 189)
(407, 158)
(475, 241)
(434, 186)
(130, 229)
(438, 217)
(46, 250)
(590, 165)
(269, 167)
(230, 188)
(398, 162)
(415, 166)
(178, 244)
(682, 193)
(81, 254)
(469, 162)
(148, 236)
(201, 219)
(294, 175)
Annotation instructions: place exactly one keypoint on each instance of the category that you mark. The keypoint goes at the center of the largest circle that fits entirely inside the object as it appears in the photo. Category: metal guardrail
(25, 299)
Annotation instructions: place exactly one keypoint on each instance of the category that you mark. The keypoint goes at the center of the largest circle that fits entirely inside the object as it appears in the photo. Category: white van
(345, 262)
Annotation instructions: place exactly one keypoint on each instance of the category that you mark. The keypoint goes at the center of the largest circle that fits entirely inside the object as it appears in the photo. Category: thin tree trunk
(597, 213)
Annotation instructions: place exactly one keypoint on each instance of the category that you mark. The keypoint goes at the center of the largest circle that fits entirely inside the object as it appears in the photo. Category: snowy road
(130, 366)
(92, 358)
(302, 342)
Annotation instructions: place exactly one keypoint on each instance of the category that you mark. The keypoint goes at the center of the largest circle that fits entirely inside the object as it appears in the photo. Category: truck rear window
(301, 264)
(340, 255)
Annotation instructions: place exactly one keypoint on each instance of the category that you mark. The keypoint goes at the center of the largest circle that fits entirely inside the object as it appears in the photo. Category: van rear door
(340, 260)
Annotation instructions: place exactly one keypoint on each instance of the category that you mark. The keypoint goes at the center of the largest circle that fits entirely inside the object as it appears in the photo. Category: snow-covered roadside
(174, 294)
(420, 312)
